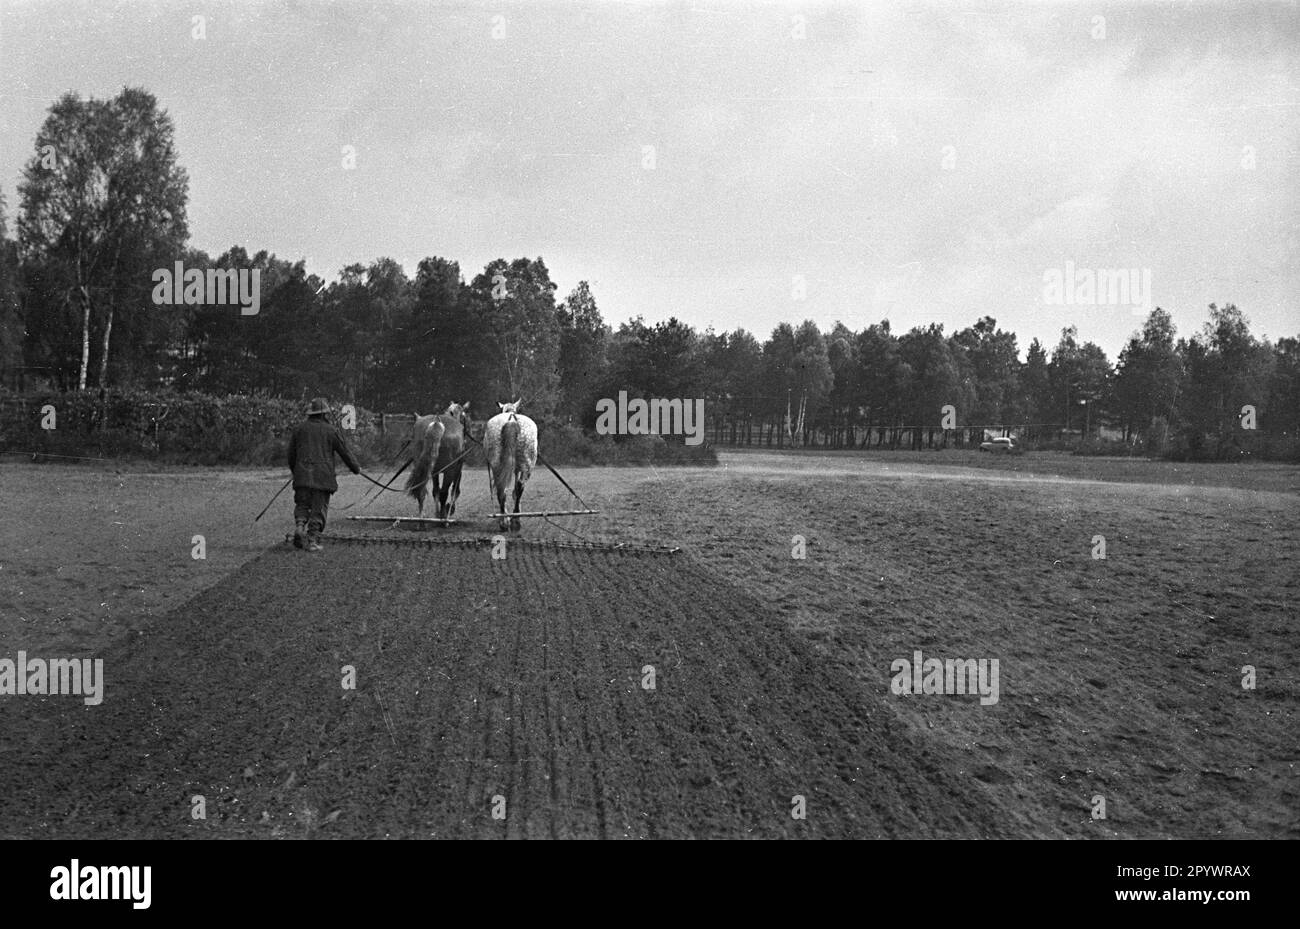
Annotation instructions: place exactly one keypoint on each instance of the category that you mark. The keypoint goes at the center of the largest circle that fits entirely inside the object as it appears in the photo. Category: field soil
(595, 694)
(481, 681)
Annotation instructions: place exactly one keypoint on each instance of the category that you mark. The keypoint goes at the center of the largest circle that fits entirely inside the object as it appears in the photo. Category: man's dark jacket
(311, 455)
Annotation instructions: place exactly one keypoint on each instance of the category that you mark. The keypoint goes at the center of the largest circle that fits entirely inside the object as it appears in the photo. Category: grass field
(1120, 677)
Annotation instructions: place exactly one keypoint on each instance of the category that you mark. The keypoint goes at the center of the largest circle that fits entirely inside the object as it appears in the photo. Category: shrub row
(194, 428)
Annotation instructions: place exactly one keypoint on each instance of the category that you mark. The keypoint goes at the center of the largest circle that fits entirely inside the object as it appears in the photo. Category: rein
(389, 485)
(390, 481)
(545, 464)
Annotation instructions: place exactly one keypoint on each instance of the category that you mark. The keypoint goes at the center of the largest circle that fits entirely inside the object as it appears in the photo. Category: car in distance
(1002, 444)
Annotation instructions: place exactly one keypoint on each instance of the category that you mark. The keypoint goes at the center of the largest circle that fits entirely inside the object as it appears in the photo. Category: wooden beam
(545, 513)
(395, 520)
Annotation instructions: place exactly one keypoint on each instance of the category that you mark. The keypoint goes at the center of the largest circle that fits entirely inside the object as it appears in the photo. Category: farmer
(311, 459)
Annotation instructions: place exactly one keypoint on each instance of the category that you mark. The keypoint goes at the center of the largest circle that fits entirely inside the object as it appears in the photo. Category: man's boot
(313, 542)
(299, 533)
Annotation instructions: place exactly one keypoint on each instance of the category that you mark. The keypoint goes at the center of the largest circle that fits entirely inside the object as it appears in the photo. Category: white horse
(510, 444)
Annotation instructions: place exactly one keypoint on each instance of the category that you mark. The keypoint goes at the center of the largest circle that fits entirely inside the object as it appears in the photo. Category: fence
(394, 423)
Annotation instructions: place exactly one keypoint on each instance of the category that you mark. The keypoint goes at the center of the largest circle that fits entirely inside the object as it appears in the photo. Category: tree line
(103, 205)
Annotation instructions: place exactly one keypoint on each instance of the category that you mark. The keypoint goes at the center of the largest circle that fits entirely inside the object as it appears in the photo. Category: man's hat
(318, 405)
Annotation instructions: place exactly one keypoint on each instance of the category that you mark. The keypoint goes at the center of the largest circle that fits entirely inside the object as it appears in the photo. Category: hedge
(196, 428)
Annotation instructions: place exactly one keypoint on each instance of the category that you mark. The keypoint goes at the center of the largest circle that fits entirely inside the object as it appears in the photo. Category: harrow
(419, 540)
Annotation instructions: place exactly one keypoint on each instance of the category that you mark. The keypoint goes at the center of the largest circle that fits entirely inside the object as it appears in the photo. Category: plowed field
(432, 690)
(524, 678)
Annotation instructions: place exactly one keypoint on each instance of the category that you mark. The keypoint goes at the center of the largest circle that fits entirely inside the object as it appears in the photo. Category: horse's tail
(422, 466)
(509, 451)
(527, 452)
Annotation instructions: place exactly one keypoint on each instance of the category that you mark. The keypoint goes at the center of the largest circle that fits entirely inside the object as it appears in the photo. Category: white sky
(775, 156)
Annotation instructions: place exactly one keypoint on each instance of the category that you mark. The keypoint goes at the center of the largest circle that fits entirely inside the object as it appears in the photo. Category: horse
(439, 440)
(510, 444)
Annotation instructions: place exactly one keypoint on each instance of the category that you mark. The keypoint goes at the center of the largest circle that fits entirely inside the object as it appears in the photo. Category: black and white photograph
(628, 419)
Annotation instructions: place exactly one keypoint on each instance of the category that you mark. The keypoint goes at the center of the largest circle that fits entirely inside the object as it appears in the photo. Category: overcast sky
(916, 162)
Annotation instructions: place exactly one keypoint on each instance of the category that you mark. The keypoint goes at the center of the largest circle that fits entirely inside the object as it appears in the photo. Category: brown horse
(439, 442)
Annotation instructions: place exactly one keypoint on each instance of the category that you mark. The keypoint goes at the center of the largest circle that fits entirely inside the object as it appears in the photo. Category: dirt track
(475, 678)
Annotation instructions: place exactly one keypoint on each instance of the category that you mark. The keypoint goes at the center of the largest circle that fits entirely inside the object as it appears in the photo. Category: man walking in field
(311, 459)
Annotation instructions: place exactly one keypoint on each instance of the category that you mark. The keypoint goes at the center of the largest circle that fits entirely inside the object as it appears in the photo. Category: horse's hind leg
(442, 484)
(519, 492)
(454, 495)
(498, 491)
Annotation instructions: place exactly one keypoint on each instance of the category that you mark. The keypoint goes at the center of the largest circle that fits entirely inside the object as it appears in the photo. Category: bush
(1050, 444)
(567, 444)
(189, 428)
(202, 429)
(1095, 445)
(570, 445)
(1238, 445)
